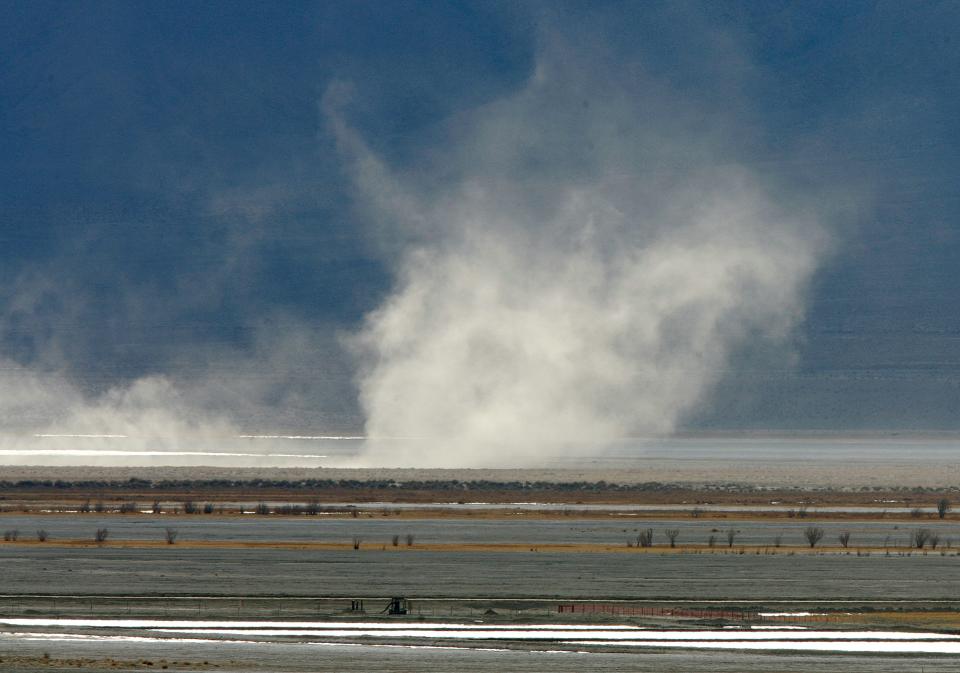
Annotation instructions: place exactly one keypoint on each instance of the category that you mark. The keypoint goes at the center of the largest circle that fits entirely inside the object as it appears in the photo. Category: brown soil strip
(439, 512)
(736, 550)
(652, 495)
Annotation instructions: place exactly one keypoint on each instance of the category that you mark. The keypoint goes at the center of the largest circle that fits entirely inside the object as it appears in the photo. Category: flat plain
(498, 548)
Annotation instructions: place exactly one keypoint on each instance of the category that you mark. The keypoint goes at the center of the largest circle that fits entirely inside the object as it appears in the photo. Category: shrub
(395, 540)
(262, 508)
(101, 535)
(645, 538)
(409, 540)
(356, 543)
(189, 507)
(41, 535)
(11, 535)
(672, 534)
(943, 506)
(208, 508)
(844, 538)
(171, 535)
(813, 534)
(731, 536)
(920, 537)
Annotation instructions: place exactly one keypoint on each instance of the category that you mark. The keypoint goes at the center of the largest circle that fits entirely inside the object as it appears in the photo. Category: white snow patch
(875, 646)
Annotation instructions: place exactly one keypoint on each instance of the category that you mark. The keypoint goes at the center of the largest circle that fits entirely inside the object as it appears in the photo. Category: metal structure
(397, 606)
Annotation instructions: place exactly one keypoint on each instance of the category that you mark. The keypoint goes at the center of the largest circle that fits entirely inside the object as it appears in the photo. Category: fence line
(636, 611)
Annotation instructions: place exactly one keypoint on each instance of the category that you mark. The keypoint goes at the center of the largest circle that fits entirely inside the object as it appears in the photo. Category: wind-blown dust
(573, 268)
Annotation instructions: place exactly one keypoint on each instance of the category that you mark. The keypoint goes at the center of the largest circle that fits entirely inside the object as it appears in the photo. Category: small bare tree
(778, 539)
(645, 538)
(101, 535)
(170, 535)
(156, 508)
(813, 534)
(41, 535)
(356, 543)
(672, 534)
(934, 540)
(262, 508)
(916, 512)
(189, 507)
(409, 539)
(208, 508)
(920, 537)
(731, 536)
(395, 540)
(712, 541)
(11, 535)
(85, 507)
(844, 538)
(943, 506)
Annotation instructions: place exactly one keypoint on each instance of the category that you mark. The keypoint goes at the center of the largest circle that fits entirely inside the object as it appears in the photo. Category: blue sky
(174, 202)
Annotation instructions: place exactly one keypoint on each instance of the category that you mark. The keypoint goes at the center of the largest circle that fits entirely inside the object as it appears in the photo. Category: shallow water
(176, 570)
(380, 530)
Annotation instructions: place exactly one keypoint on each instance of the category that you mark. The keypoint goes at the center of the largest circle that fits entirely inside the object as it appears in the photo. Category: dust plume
(575, 263)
